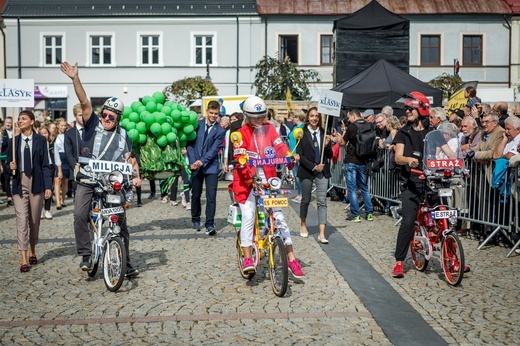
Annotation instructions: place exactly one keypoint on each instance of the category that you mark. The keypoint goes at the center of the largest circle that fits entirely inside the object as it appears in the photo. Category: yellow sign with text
(280, 202)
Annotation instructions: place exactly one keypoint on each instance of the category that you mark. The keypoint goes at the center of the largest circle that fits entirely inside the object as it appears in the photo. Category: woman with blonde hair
(61, 178)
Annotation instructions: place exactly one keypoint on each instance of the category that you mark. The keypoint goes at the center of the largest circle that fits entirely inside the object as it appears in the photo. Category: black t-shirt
(413, 142)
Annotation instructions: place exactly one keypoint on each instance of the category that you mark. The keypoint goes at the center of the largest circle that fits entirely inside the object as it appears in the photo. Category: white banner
(17, 93)
(330, 102)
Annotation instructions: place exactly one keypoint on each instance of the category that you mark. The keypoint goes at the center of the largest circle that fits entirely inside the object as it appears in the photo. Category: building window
(472, 51)
(150, 49)
(101, 50)
(288, 47)
(430, 50)
(327, 49)
(204, 49)
(53, 46)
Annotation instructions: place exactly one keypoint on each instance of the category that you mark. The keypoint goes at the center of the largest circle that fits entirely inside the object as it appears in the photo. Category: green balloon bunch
(159, 129)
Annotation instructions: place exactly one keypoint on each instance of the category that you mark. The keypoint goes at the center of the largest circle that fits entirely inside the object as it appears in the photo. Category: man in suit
(71, 142)
(7, 135)
(203, 160)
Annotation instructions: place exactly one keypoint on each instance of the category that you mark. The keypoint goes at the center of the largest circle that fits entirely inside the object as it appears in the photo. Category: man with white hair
(388, 111)
(507, 148)
(471, 137)
(437, 116)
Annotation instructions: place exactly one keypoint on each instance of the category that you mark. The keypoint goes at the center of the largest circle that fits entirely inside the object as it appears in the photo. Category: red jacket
(266, 143)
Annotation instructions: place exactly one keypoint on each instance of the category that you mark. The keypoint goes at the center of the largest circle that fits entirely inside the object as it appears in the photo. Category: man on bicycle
(110, 114)
(259, 140)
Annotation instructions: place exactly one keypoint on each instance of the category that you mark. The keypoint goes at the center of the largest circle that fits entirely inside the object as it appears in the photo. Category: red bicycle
(434, 228)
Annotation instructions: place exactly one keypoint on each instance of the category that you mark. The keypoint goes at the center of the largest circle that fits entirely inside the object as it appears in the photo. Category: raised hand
(69, 70)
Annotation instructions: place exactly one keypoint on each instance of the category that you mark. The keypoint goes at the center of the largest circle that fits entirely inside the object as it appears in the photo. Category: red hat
(415, 100)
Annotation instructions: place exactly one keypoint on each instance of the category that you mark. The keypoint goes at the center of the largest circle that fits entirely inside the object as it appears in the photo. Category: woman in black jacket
(313, 169)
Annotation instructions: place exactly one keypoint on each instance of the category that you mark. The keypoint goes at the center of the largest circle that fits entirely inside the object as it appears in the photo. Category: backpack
(366, 146)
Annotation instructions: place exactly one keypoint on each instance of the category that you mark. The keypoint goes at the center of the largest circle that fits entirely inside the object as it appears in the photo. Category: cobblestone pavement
(190, 291)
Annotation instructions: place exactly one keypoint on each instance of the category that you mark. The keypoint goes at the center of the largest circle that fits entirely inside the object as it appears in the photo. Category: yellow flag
(288, 99)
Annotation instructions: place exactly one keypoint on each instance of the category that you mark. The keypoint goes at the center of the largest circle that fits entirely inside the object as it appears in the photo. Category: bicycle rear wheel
(114, 264)
(240, 258)
(95, 255)
(452, 259)
(278, 270)
(420, 247)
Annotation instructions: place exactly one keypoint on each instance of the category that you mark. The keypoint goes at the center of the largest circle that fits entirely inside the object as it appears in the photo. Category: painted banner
(457, 100)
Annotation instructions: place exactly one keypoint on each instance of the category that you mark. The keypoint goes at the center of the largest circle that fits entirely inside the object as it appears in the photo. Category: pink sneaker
(248, 266)
(295, 268)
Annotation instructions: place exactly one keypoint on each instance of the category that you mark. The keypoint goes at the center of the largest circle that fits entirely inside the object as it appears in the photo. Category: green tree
(190, 88)
(274, 76)
(447, 83)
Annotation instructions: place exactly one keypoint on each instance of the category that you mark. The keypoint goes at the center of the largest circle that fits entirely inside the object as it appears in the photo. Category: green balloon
(176, 115)
(159, 107)
(196, 125)
(155, 128)
(193, 118)
(158, 96)
(133, 134)
(177, 124)
(151, 107)
(141, 127)
(166, 110)
(187, 129)
(135, 105)
(127, 112)
(169, 104)
(166, 128)
(169, 120)
(144, 114)
(123, 123)
(162, 141)
(134, 117)
(171, 137)
(147, 99)
(160, 117)
(141, 108)
(191, 136)
(149, 119)
(185, 117)
(142, 138)
(181, 108)
(130, 125)
(174, 130)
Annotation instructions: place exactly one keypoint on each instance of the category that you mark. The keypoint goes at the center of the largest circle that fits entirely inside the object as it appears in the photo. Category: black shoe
(131, 271)
(139, 203)
(196, 226)
(152, 196)
(210, 230)
(86, 263)
(10, 203)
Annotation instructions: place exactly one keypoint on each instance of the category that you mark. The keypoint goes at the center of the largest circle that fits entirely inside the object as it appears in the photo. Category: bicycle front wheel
(114, 264)
(95, 255)
(452, 259)
(278, 270)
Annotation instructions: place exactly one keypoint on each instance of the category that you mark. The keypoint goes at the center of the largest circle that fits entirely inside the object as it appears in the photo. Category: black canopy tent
(368, 35)
(382, 84)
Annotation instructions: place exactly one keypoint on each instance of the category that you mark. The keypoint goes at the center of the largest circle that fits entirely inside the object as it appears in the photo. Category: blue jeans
(356, 176)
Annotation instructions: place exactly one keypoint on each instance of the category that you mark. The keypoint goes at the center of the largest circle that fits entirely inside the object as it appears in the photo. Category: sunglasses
(110, 116)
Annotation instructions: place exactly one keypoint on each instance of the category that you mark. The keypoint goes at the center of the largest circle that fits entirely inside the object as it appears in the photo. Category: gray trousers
(321, 197)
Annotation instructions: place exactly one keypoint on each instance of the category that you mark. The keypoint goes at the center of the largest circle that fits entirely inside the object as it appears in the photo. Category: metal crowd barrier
(493, 209)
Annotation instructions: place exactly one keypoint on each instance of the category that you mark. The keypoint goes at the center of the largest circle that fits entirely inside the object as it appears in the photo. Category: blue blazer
(41, 170)
(207, 152)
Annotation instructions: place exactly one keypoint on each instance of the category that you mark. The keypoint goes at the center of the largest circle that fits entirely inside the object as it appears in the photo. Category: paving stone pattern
(190, 291)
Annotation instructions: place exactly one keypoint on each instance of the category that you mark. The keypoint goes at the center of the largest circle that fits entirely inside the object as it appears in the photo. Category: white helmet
(114, 104)
(254, 107)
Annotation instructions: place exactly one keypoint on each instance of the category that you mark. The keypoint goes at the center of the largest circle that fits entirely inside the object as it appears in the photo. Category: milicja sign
(17, 93)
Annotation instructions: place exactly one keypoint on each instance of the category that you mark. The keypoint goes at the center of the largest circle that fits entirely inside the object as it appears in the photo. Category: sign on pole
(330, 102)
(17, 93)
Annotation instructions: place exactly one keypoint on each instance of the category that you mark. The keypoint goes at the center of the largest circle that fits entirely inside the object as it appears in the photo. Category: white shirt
(59, 147)
(318, 134)
(512, 145)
